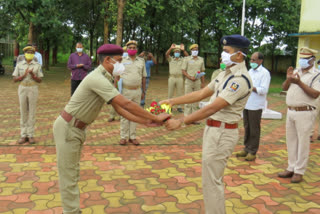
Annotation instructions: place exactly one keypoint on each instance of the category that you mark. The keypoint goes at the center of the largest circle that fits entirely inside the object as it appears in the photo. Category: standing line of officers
(233, 92)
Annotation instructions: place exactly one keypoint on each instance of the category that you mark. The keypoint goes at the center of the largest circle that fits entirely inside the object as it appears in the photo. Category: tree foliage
(155, 24)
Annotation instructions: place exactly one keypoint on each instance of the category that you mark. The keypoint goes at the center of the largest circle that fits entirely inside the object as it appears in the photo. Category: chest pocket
(243, 76)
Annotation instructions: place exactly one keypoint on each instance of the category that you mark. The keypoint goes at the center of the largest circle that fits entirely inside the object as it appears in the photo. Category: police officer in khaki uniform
(28, 73)
(175, 81)
(303, 85)
(83, 108)
(191, 65)
(229, 93)
(133, 80)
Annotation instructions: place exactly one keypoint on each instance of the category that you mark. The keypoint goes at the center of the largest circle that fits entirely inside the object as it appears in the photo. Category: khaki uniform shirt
(95, 89)
(135, 70)
(21, 68)
(236, 93)
(175, 65)
(193, 65)
(296, 97)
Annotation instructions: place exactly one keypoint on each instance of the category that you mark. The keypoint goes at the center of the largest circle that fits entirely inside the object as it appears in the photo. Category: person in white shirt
(37, 54)
(253, 110)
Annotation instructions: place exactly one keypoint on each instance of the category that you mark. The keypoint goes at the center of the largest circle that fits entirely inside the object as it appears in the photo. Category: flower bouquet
(156, 108)
(199, 74)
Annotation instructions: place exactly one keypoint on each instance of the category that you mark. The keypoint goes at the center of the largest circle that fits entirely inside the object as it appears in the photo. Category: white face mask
(79, 50)
(304, 63)
(194, 53)
(125, 54)
(226, 58)
(118, 68)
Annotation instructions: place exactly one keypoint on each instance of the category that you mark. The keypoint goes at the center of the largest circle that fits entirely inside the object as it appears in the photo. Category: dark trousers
(251, 122)
(74, 85)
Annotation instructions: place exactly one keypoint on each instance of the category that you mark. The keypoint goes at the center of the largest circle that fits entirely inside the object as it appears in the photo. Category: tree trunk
(54, 55)
(121, 4)
(16, 48)
(106, 25)
(30, 34)
(47, 55)
(91, 41)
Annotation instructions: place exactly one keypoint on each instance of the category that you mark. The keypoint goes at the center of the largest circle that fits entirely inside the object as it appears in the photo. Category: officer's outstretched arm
(193, 97)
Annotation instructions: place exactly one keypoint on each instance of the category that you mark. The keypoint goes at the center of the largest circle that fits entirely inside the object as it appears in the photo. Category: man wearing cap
(29, 75)
(190, 67)
(256, 103)
(303, 85)
(229, 93)
(79, 64)
(175, 81)
(133, 88)
(82, 109)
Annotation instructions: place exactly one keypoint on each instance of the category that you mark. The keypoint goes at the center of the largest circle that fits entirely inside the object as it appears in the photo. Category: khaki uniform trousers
(128, 128)
(191, 86)
(28, 96)
(218, 145)
(69, 142)
(175, 83)
(298, 128)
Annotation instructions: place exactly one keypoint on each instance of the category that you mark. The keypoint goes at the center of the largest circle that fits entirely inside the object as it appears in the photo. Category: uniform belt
(77, 123)
(216, 123)
(27, 83)
(131, 87)
(302, 108)
(175, 75)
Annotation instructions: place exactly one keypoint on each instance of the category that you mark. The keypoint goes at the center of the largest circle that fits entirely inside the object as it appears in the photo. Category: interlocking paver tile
(162, 175)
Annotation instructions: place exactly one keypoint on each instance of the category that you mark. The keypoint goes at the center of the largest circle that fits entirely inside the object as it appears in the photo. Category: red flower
(153, 104)
(198, 72)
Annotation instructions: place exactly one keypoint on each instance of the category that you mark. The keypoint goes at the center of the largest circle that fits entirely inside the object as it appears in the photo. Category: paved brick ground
(163, 175)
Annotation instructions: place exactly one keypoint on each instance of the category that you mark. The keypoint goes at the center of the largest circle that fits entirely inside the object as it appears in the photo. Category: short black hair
(260, 56)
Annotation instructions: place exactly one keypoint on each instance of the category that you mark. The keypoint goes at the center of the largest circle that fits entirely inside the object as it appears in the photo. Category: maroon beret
(110, 49)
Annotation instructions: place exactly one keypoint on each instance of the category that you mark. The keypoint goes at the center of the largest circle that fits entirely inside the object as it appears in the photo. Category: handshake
(162, 110)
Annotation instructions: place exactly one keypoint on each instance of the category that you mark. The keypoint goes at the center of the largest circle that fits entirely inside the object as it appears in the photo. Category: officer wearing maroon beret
(229, 92)
(82, 109)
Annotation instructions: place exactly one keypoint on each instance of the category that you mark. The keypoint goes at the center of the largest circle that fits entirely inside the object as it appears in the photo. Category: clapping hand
(295, 78)
(182, 47)
(289, 72)
(29, 71)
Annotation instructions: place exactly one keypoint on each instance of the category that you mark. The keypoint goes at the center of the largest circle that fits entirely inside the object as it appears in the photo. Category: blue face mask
(304, 63)
(253, 65)
(319, 67)
(125, 54)
(177, 55)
